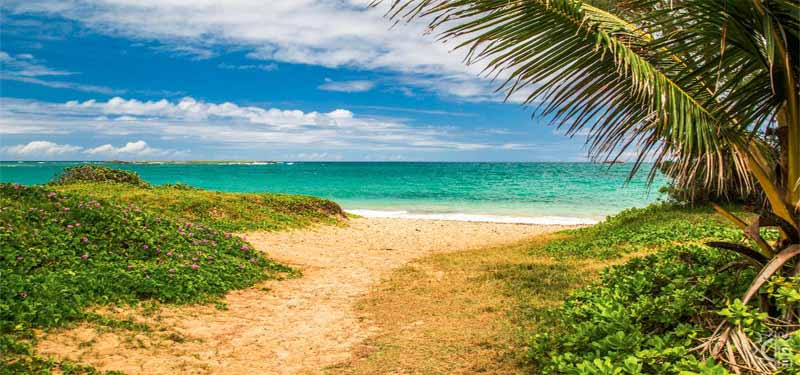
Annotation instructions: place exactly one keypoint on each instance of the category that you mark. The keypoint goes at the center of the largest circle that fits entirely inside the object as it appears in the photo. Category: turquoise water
(479, 191)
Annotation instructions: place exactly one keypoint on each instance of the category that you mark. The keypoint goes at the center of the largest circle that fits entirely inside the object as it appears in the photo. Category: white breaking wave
(539, 220)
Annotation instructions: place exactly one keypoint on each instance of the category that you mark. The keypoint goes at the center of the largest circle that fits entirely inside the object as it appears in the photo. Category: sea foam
(457, 216)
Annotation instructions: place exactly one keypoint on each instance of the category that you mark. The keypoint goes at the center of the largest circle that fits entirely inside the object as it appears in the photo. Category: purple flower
(85, 256)
(253, 260)
(145, 247)
(84, 240)
(69, 226)
(194, 259)
(169, 254)
(195, 266)
(52, 194)
(245, 248)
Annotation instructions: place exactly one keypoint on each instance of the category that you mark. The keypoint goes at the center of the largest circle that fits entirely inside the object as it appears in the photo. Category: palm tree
(709, 85)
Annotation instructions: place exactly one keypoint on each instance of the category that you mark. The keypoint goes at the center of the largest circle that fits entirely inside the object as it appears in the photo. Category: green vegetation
(650, 314)
(63, 252)
(97, 173)
(116, 240)
(638, 230)
(224, 211)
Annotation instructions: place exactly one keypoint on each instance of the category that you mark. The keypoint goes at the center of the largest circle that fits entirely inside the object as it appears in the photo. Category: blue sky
(248, 79)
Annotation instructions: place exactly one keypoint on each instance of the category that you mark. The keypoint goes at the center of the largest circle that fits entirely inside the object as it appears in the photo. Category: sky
(295, 80)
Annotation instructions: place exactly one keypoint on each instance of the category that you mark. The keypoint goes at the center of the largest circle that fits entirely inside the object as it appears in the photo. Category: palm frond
(595, 72)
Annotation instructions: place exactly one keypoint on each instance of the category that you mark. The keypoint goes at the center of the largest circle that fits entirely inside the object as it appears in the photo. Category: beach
(300, 325)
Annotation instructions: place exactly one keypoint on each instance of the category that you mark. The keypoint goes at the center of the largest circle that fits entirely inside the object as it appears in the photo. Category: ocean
(537, 193)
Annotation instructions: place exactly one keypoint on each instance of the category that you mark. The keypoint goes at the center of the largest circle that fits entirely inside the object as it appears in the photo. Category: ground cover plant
(98, 173)
(226, 211)
(61, 252)
(651, 314)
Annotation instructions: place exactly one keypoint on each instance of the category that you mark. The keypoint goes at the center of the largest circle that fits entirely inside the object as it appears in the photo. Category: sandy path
(282, 327)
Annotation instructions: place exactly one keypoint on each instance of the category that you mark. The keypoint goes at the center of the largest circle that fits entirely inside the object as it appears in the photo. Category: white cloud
(26, 68)
(334, 33)
(64, 85)
(315, 156)
(264, 67)
(190, 109)
(25, 65)
(228, 125)
(347, 86)
(131, 149)
(41, 148)
(37, 150)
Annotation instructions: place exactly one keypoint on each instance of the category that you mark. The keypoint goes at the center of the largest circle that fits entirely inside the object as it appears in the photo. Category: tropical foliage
(98, 173)
(226, 211)
(709, 85)
(648, 315)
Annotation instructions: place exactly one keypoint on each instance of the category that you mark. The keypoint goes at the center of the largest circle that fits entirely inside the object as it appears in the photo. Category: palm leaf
(702, 90)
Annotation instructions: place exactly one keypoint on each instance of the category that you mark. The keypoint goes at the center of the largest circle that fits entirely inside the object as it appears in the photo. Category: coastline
(476, 218)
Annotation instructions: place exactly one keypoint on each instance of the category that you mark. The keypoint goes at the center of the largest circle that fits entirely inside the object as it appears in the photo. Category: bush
(642, 229)
(697, 191)
(642, 317)
(647, 315)
(97, 173)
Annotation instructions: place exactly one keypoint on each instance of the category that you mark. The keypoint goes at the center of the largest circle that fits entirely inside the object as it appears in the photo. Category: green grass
(225, 211)
(636, 230)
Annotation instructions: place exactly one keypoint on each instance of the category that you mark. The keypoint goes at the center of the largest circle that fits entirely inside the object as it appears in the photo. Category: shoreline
(473, 218)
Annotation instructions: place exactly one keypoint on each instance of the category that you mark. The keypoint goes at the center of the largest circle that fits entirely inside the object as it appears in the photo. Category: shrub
(697, 192)
(97, 173)
(638, 229)
(647, 315)
(642, 317)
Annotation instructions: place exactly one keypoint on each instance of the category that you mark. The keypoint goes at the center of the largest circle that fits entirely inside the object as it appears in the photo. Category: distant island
(260, 162)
